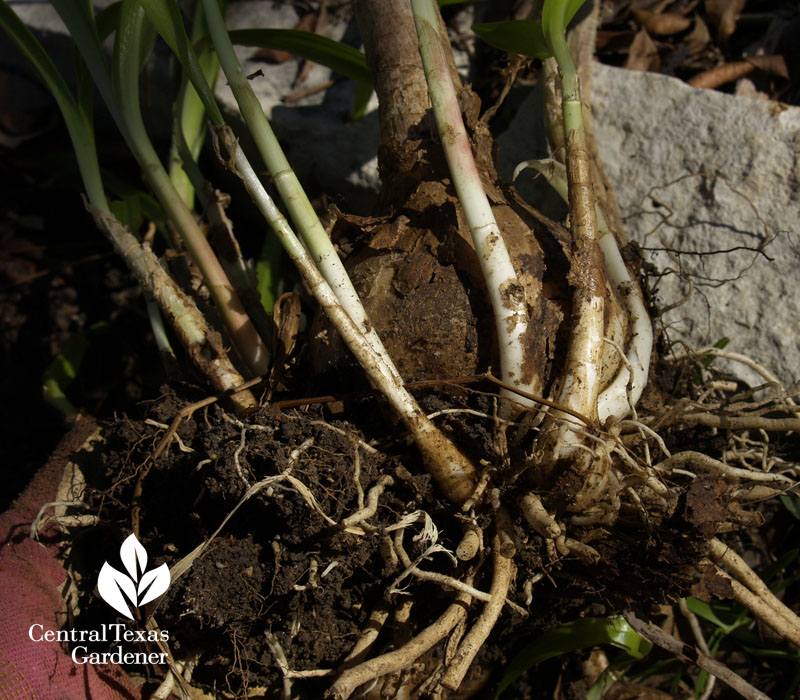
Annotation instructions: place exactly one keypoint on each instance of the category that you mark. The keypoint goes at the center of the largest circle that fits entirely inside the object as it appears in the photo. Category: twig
(689, 654)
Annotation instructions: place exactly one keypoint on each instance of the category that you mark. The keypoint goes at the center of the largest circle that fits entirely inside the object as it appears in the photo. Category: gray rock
(708, 184)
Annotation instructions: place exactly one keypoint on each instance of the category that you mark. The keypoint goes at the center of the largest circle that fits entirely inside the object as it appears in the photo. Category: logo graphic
(140, 587)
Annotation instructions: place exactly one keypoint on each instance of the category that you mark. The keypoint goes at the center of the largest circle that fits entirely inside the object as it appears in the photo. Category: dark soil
(256, 576)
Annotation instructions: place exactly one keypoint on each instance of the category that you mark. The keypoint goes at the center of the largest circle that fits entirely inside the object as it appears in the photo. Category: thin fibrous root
(401, 658)
(182, 566)
(503, 555)
(700, 640)
(372, 503)
(282, 662)
(734, 564)
(369, 633)
(698, 460)
(748, 362)
(762, 610)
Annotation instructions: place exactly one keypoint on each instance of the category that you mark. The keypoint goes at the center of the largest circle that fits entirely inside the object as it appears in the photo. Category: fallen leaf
(287, 317)
(719, 75)
(699, 38)
(662, 24)
(724, 15)
(727, 72)
(643, 54)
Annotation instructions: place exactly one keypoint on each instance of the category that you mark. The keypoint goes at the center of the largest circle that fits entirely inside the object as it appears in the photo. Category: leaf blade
(515, 36)
(575, 635)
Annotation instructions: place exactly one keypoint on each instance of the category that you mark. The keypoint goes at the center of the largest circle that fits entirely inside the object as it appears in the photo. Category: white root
(698, 460)
(724, 555)
(369, 633)
(470, 544)
(401, 658)
(372, 503)
(501, 581)
(789, 630)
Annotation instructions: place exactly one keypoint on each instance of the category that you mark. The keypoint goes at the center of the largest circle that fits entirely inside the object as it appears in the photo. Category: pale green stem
(506, 294)
(292, 194)
(78, 119)
(190, 126)
(184, 316)
(246, 339)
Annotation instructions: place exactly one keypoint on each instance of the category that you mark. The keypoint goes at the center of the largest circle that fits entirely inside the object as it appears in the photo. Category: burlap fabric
(31, 577)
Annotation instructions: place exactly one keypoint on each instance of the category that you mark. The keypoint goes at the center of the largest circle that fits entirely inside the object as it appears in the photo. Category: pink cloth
(30, 579)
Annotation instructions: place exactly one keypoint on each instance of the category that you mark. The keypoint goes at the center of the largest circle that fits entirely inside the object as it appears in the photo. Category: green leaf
(785, 560)
(557, 14)
(268, 272)
(361, 97)
(571, 10)
(721, 343)
(83, 31)
(792, 504)
(77, 116)
(515, 36)
(63, 370)
(445, 3)
(165, 16)
(586, 632)
(42, 63)
(135, 208)
(335, 55)
(107, 20)
(725, 617)
(553, 20)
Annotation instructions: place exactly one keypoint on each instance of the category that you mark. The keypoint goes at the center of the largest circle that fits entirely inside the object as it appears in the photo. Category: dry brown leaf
(728, 72)
(662, 24)
(775, 64)
(720, 75)
(287, 314)
(612, 40)
(724, 15)
(643, 54)
(699, 38)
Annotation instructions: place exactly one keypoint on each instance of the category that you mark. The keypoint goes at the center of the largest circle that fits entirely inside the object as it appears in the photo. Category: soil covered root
(309, 558)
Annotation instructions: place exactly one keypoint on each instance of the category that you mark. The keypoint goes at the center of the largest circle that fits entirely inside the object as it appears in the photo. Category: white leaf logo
(136, 588)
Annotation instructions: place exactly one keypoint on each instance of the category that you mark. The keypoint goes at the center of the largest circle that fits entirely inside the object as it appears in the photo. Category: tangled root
(516, 535)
